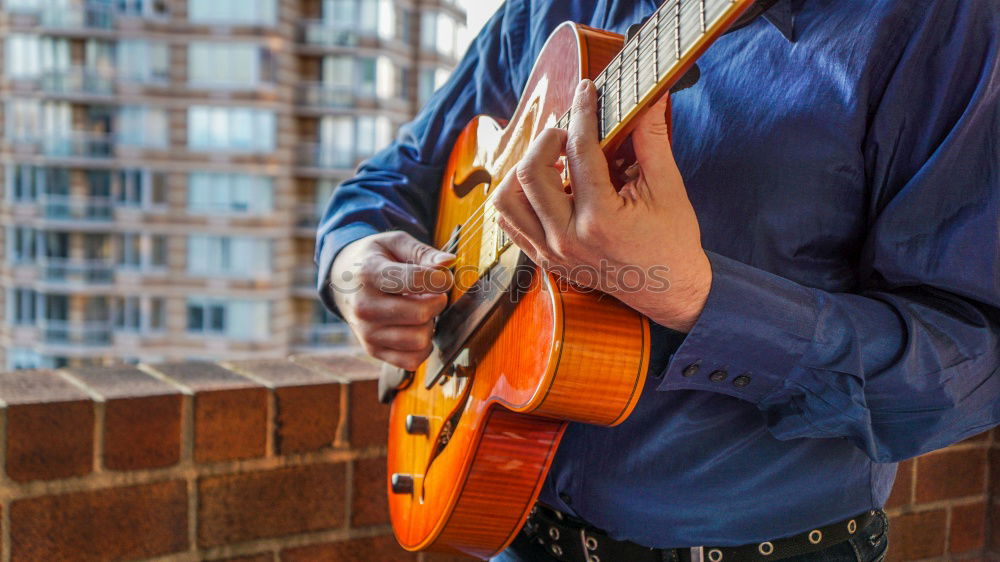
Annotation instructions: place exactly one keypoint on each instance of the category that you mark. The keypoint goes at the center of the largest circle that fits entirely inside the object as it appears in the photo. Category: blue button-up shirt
(843, 159)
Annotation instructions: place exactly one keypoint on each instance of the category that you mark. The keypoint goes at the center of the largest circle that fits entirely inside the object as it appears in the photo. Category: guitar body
(555, 355)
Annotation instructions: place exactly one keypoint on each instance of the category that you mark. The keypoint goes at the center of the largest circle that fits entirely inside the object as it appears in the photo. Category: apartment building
(164, 163)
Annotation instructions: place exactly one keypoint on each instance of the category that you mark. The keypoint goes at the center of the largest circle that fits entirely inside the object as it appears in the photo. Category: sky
(477, 11)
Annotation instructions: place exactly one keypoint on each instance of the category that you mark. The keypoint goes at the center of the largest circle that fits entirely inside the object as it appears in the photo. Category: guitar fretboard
(653, 57)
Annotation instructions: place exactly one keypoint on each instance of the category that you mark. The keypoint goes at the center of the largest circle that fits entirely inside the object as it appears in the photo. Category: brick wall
(284, 461)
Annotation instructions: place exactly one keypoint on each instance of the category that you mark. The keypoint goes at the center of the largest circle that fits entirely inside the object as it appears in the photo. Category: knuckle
(366, 310)
(524, 171)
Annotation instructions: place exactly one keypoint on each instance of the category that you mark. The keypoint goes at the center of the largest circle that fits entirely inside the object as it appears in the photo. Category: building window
(233, 12)
(141, 188)
(344, 139)
(229, 65)
(32, 119)
(143, 126)
(138, 314)
(26, 183)
(142, 8)
(143, 61)
(140, 251)
(429, 80)
(232, 318)
(238, 129)
(439, 33)
(30, 56)
(229, 255)
(21, 244)
(22, 305)
(219, 193)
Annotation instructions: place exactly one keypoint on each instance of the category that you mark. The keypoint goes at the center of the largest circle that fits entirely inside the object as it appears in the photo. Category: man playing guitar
(826, 200)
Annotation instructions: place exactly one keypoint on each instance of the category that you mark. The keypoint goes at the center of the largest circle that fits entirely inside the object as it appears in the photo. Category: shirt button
(718, 376)
(691, 370)
(742, 380)
(565, 498)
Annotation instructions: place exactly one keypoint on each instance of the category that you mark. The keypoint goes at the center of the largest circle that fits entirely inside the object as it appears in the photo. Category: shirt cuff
(329, 246)
(751, 335)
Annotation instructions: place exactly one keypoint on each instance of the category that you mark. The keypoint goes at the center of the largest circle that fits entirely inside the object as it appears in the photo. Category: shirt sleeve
(909, 362)
(397, 188)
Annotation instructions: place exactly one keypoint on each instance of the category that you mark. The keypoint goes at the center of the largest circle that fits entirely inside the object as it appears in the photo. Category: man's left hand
(641, 244)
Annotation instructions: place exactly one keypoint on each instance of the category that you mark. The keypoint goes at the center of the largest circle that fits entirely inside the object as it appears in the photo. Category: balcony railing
(325, 34)
(59, 207)
(320, 155)
(88, 334)
(81, 144)
(77, 80)
(90, 272)
(325, 95)
(324, 335)
(59, 16)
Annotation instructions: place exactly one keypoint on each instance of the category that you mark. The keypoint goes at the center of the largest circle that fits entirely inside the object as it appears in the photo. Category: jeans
(869, 545)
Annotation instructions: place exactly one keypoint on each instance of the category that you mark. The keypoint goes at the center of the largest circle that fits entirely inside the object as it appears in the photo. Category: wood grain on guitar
(471, 438)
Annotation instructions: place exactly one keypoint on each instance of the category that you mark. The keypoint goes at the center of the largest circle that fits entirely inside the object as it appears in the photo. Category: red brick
(142, 419)
(349, 366)
(108, 524)
(50, 426)
(369, 505)
(917, 535)
(382, 549)
(240, 507)
(368, 418)
(230, 411)
(262, 557)
(902, 488)
(307, 404)
(968, 528)
(951, 474)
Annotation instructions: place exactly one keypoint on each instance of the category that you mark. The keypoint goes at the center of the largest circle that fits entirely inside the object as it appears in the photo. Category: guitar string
(646, 53)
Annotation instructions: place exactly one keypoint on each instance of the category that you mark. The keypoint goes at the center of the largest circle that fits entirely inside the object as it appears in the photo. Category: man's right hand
(390, 287)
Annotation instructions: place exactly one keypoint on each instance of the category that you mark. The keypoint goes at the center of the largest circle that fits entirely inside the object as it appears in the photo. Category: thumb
(407, 249)
(651, 141)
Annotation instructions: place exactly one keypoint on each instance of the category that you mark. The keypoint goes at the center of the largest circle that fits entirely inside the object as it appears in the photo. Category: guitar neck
(656, 57)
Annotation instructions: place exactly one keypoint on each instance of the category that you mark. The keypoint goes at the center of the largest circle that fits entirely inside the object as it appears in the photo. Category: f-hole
(478, 177)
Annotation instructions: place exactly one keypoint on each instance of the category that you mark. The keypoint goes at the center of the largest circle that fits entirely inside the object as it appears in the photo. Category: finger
(397, 310)
(407, 249)
(542, 182)
(588, 168)
(516, 211)
(651, 141)
(402, 338)
(388, 276)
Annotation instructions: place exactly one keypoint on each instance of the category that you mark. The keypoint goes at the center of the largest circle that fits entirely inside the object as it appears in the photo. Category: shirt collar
(782, 16)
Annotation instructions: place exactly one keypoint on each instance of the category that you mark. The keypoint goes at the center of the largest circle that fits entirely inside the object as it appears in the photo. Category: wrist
(678, 304)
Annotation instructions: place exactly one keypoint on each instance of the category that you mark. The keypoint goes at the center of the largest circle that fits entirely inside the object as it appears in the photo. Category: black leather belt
(568, 539)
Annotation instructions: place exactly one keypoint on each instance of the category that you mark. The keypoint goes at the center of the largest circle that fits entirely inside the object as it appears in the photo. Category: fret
(701, 10)
(656, 45)
(635, 75)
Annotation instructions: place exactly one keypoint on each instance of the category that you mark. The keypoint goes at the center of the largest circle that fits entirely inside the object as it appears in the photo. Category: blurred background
(165, 162)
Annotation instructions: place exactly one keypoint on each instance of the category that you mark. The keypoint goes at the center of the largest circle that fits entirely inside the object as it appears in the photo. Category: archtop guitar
(518, 354)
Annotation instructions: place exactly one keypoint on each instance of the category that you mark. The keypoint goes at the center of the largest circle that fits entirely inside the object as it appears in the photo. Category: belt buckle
(697, 554)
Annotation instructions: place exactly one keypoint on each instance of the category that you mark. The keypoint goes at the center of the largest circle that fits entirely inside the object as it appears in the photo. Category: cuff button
(741, 380)
(691, 370)
(718, 376)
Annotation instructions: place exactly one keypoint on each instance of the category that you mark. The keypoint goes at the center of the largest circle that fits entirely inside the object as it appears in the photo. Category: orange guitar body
(555, 355)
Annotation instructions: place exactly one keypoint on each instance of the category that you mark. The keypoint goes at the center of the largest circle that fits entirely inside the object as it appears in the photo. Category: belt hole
(715, 555)
(815, 536)
(852, 526)
(557, 550)
(594, 558)
(554, 533)
(765, 548)
(591, 543)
